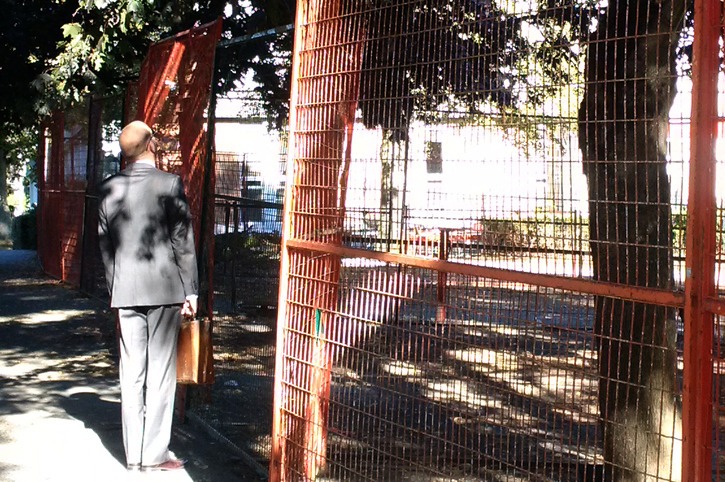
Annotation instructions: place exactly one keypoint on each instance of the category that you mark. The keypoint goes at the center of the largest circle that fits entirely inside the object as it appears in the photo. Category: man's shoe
(171, 464)
(133, 467)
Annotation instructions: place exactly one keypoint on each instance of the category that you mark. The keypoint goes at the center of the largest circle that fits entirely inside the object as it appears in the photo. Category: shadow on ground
(58, 374)
(100, 415)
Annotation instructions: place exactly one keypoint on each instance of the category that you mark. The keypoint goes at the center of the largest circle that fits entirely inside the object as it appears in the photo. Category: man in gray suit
(147, 243)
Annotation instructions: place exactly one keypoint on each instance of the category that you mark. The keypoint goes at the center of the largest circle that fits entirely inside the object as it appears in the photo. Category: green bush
(25, 232)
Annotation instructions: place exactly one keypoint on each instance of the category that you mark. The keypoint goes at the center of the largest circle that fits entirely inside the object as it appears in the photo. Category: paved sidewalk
(59, 396)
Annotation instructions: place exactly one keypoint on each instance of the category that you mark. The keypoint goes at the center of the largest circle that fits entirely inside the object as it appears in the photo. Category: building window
(434, 157)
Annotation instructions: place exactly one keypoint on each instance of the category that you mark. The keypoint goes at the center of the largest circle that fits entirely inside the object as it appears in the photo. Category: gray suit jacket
(146, 238)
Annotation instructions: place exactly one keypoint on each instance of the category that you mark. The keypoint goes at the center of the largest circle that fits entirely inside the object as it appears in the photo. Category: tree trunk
(5, 217)
(388, 192)
(623, 121)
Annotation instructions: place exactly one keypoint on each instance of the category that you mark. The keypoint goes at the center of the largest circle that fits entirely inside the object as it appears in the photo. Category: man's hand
(189, 308)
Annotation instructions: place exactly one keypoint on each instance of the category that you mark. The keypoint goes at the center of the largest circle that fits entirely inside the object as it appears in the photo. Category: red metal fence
(500, 246)
(502, 251)
(172, 96)
(81, 149)
(62, 185)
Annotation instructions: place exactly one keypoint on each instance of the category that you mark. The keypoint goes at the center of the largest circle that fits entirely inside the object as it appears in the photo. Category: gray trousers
(148, 380)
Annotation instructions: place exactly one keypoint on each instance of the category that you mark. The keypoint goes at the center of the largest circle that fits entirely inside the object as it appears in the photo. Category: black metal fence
(249, 192)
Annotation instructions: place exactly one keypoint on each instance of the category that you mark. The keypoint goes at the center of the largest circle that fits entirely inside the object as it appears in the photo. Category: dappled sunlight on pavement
(59, 396)
(49, 316)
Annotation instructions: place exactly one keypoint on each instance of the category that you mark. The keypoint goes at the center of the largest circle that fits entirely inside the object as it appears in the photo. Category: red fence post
(700, 263)
(322, 115)
(442, 276)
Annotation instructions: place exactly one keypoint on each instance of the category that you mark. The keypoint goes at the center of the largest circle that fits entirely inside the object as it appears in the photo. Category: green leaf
(72, 30)
(134, 6)
(122, 24)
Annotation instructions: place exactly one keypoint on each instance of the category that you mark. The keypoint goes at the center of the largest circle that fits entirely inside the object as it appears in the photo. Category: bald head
(134, 140)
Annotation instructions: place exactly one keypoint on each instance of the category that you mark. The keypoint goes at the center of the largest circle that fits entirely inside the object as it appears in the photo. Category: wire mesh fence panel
(75, 158)
(247, 231)
(105, 120)
(449, 185)
(172, 96)
(714, 331)
(62, 189)
(248, 224)
(484, 257)
(504, 386)
(49, 185)
(718, 444)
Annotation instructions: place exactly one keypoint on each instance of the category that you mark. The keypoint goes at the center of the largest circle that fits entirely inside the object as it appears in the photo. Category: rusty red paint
(700, 263)
(625, 292)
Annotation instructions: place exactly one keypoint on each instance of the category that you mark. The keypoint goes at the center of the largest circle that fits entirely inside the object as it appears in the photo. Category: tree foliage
(476, 53)
(25, 42)
(105, 42)
(56, 52)
(485, 56)
(268, 58)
